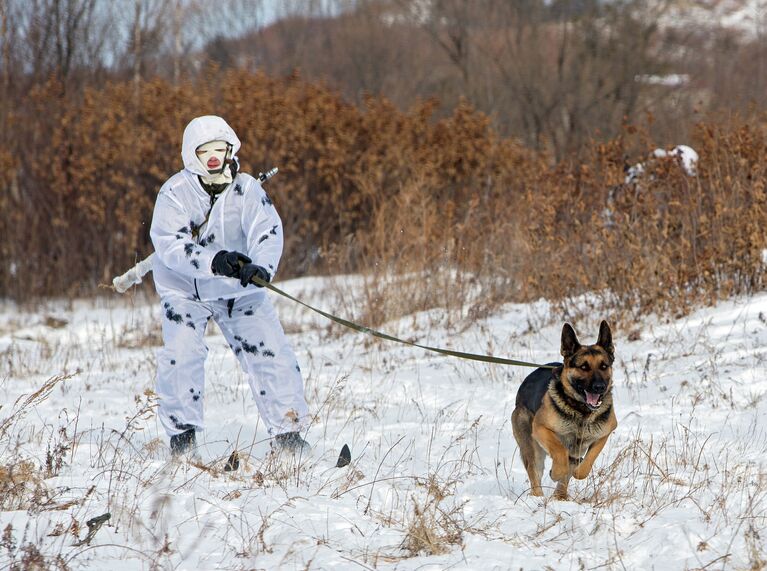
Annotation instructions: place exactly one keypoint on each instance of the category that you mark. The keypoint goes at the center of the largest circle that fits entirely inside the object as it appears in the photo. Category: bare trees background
(551, 74)
(82, 42)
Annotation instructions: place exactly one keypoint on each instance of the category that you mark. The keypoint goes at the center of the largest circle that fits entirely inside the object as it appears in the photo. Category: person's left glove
(249, 270)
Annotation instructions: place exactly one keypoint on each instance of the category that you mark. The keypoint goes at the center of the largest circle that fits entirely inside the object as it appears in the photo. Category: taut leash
(381, 335)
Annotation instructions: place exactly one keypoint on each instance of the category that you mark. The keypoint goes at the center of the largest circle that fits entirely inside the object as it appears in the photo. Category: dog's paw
(581, 471)
(558, 474)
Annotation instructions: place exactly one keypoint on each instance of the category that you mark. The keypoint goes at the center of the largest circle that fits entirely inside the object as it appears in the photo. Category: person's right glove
(228, 263)
(250, 270)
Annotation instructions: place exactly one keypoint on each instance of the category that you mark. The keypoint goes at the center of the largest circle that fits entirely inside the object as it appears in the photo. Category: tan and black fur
(566, 412)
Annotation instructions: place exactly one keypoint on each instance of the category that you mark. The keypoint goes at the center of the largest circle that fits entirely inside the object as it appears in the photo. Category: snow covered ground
(435, 482)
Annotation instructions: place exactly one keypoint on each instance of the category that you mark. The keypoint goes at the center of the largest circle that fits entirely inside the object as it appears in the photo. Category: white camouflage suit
(242, 219)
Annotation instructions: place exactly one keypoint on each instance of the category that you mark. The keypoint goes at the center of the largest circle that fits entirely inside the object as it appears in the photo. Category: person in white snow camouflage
(213, 229)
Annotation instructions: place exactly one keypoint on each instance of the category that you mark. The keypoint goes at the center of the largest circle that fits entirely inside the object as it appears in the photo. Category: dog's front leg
(582, 470)
(550, 442)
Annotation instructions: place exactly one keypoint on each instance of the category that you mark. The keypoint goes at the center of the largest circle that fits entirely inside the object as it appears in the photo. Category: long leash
(136, 273)
(381, 335)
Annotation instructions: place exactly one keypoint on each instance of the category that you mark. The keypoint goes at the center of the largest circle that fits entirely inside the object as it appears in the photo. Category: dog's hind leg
(532, 454)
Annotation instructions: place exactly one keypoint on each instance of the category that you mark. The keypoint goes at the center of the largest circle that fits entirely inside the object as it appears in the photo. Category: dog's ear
(605, 340)
(570, 342)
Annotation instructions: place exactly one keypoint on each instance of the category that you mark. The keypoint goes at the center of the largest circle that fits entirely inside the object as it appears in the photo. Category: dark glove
(249, 270)
(228, 263)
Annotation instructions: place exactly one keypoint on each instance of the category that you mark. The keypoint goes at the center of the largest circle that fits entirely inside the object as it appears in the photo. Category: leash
(137, 272)
(367, 330)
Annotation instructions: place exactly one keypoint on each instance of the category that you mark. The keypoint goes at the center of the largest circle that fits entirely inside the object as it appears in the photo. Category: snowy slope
(435, 482)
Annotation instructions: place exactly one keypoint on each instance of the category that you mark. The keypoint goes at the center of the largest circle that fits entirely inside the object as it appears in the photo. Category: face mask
(213, 156)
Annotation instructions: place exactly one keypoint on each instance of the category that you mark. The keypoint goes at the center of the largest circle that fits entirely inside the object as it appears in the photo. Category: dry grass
(23, 483)
(433, 529)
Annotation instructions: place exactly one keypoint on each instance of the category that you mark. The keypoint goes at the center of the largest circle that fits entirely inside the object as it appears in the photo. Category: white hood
(202, 130)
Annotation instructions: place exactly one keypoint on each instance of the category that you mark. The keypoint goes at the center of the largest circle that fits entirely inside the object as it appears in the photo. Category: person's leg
(181, 369)
(254, 333)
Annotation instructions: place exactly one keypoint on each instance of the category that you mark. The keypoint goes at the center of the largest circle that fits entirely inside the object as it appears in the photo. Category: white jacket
(242, 218)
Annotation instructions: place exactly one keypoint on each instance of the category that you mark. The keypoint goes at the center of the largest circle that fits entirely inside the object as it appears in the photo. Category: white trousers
(254, 333)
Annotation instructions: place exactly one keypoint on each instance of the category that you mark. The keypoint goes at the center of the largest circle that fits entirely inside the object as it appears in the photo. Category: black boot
(183, 443)
(291, 442)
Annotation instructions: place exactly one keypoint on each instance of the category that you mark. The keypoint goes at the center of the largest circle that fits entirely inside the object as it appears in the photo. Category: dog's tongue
(592, 399)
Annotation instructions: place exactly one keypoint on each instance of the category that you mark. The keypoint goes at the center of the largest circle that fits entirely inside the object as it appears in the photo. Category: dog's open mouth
(593, 400)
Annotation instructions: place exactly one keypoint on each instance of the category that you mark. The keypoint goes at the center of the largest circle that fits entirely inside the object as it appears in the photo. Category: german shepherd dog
(566, 412)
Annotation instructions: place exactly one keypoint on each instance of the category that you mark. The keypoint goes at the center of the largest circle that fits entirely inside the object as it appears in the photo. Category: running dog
(566, 412)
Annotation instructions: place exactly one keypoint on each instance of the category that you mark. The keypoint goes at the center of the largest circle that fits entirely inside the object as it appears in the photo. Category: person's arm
(171, 234)
(263, 229)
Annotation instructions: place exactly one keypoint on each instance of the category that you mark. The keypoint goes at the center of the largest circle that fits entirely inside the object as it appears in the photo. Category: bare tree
(568, 72)
(147, 30)
(551, 72)
(57, 35)
(450, 24)
(6, 43)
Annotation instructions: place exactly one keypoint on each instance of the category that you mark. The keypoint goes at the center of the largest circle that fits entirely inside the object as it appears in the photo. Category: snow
(685, 155)
(749, 17)
(682, 483)
(668, 80)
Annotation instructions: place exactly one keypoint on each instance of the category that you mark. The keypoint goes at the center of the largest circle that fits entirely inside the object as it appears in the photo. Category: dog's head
(587, 371)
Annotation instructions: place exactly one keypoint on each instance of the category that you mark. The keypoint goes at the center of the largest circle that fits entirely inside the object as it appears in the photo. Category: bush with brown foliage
(433, 211)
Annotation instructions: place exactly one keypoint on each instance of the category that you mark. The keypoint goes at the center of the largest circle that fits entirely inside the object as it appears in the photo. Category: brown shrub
(437, 213)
